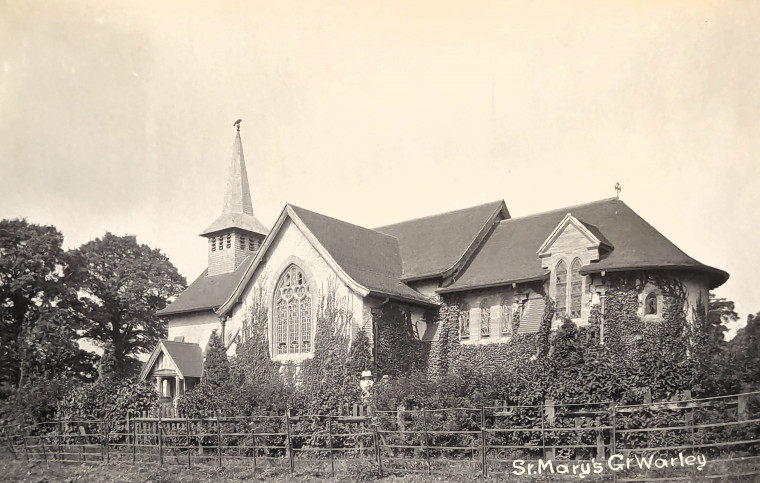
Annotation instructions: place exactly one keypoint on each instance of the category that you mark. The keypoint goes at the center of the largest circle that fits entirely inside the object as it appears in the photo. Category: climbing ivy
(399, 350)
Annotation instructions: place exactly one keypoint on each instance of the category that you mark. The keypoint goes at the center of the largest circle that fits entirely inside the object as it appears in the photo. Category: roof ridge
(541, 213)
(343, 221)
(439, 214)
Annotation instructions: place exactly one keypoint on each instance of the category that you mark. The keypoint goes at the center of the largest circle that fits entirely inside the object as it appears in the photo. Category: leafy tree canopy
(38, 328)
(121, 285)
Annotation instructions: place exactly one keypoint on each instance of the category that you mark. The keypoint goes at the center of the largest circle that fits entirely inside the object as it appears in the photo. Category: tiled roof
(187, 356)
(434, 244)
(370, 258)
(207, 292)
(509, 253)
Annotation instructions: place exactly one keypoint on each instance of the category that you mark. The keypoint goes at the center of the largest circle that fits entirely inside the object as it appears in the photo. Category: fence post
(483, 436)
(377, 450)
(255, 448)
(219, 436)
(741, 407)
(58, 440)
(329, 444)
(23, 439)
(549, 411)
(425, 436)
(187, 439)
(613, 443)
(134, 440)
(290, 440)
(160, 441)
(44, 451)
(104, 432)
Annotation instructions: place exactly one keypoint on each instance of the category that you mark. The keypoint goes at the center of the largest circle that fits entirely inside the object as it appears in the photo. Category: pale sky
(117, 116)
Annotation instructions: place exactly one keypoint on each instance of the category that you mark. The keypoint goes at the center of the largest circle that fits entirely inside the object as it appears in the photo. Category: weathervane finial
(237, 124)
(618, 189)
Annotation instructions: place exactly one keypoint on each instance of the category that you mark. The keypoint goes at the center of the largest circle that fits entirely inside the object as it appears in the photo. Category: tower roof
(238, 208)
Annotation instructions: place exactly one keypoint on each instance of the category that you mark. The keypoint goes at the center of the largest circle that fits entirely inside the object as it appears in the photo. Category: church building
(498, 268)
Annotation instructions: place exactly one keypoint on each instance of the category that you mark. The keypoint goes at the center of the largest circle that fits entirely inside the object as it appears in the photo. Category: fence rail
(725, 431)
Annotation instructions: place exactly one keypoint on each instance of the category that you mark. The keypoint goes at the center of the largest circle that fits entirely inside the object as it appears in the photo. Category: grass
(150, 472)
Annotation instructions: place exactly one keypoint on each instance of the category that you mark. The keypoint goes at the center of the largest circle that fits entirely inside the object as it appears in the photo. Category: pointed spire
(238, 209)
(238, 197)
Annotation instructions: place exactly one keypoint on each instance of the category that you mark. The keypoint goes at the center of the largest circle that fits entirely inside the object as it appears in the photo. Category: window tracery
(293, 324)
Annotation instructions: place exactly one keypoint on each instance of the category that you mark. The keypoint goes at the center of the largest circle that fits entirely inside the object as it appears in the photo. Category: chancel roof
(509, 253)
(432, 245)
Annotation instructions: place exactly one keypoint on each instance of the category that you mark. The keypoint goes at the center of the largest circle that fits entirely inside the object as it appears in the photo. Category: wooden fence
(490, 439)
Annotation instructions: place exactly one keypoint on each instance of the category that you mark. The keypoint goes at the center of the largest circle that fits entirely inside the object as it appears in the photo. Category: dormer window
(650, 304)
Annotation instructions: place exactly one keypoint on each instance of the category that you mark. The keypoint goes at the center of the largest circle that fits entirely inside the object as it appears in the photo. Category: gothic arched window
(485, 318)
(292, 313)
(506, 317)
(560, 284)
(464, 322)
(650, 304)
(576, 289)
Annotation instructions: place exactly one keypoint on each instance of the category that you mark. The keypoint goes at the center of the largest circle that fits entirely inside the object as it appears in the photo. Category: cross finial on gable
(618, 189)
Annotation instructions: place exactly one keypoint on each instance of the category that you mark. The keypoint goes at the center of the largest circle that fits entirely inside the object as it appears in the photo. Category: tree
(37, 320)
(216, 366)
(720, 313)
(122, 285)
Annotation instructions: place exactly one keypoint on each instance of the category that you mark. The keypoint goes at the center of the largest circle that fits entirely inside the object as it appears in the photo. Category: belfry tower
(236, 233)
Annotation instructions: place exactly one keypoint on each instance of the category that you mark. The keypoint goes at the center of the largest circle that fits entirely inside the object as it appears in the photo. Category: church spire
(238, 197)
(236, 234)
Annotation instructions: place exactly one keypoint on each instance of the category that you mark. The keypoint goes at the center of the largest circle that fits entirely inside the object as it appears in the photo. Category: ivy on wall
(399, 351)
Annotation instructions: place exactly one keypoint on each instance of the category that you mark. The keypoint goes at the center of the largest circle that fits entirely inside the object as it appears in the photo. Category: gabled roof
(186, 356)
(365, 260)
(438, 245)
(591, 232)
(508, 255)
(207, 292)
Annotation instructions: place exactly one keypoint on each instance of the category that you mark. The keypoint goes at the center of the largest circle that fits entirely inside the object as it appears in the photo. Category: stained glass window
(650, 304)
(485, 318)
(506, 318)
(293, 324)
(464, 322)
(560, 283)
(576, 289)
